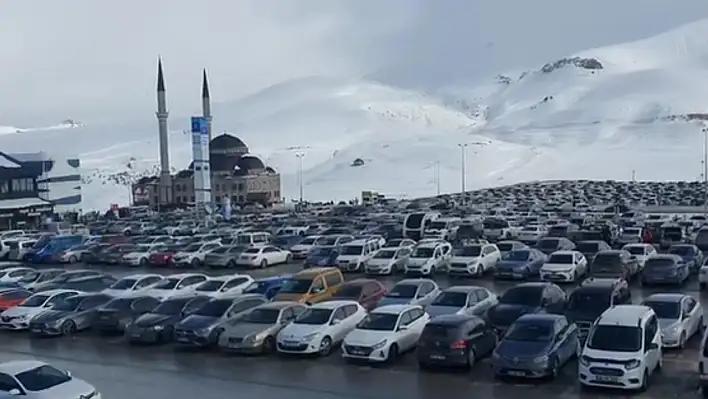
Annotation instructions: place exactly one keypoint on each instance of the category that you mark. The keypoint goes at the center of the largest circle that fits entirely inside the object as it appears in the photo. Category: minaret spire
(165, 192)
(160, 76)
(206, 102)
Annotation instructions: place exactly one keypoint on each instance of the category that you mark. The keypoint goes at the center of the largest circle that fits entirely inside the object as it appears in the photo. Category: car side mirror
(652, 346)
(15, 392)
(68, 374)
(402, 328)
(335, 322)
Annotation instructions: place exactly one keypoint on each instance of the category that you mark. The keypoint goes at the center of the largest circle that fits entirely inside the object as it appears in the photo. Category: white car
(641, 251)
(264, 256)
(141, 254)
(564, 267)
(386, 332)
(354, 254)
(220, 285)
(532, 233)
(474, 260)
(33, 379)
(302, 248)
(133, 283)
(320, 328)
(15, 274)
(680, 317)
(18, 317)
(427, 258)
(193, 255)
(388, 261)
(175, 284)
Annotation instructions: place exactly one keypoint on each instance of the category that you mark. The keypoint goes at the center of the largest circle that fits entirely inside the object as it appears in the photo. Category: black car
(157, 326)
(590, 248)
(526, 298)
(95, 283)
(549, 245)
(92, 253)
(586, 303)
(455, 340)
(62, 278)
(117, 314)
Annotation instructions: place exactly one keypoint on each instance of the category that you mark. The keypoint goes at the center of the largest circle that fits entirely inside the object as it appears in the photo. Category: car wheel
(231, 265)
(682, 340)
(554, 369)
(143, 262)
(288, 259)
(645, 382)
(392, 353)
(471, 358)
(195, 263)
(702, 286)
(325, 346)
(72, 259)
(68, 327)
(264, 264)
(269, 345)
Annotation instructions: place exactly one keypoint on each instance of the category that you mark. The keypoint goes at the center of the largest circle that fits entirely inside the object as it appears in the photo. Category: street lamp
(300, 156)
(463, 150)
(705, 170)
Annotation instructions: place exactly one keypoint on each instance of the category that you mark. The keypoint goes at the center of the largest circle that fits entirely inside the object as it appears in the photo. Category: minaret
(162, 114)
(206, 102)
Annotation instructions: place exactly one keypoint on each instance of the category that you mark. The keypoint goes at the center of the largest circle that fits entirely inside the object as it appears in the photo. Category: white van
(254, 239)
(623, 349)
(354, 254)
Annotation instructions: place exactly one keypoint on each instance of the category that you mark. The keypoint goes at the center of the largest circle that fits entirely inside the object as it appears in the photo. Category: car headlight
(158, 328)
(380, 345)
(541, 360)
(632, 364)
(310, 337)
(584, 360)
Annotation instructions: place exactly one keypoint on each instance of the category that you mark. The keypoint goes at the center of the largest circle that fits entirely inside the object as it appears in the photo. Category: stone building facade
(235, 173)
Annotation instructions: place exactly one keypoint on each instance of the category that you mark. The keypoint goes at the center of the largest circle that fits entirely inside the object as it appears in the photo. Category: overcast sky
(95, 60)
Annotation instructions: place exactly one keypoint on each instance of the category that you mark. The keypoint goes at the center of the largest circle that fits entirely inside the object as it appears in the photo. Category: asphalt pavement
(120, 371)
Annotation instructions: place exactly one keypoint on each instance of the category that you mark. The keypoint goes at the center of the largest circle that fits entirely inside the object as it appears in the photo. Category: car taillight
(460, 344)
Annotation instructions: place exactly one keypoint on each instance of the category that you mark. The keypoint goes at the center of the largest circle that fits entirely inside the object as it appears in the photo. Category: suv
(622, 350)
(594, 296)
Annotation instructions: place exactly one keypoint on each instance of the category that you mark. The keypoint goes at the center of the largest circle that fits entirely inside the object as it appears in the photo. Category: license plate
(182, 339)
(437, 357)
(517, 373)
(37, 330)
(135, 335)
(606, 378)
(359, 353)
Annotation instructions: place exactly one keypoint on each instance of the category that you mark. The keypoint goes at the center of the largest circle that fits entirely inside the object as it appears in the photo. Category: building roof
(250, 162)
(226, 141)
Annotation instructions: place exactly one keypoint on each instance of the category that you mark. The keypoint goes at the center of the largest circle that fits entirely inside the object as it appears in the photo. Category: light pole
(300, 156)
(705, 170)
(437, 176)
(463, 150)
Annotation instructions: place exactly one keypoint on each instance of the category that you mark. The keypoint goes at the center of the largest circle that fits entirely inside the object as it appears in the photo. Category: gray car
(255, 331)
(74, 314)
(411, 291)
(468, 299)
(224, 257)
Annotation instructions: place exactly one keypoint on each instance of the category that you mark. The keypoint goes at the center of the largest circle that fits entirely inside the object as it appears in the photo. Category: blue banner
(199, 125)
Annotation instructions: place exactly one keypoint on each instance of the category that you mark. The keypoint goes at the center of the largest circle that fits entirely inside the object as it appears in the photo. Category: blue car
(321, 256)
(267, 287)
(536, 345)
(526, 298)
(520, 264)
(691, 255)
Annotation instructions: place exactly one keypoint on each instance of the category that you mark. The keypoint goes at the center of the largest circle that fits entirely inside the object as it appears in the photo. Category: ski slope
(520, 124)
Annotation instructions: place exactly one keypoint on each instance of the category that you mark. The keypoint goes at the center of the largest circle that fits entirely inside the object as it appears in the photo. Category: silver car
(33, 379)
(466, 299)
(256, 330)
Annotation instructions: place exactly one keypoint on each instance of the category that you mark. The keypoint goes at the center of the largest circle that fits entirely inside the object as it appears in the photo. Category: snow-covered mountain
(598, 114)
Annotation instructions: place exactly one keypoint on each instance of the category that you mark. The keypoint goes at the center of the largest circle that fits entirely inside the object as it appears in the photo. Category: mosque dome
(250, 162)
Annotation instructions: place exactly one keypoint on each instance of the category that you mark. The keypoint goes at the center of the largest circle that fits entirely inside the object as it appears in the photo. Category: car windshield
(262, 316)
(170, 307)
(470, 250)
(352, 250)
(516, 256)
(635, 250)
(455, 299)
(659, 264)
(35, 301)
(214, 308)
(505, 246)
(42, 378)
(296, 286)
(167, 284)
(379, 322)
(256, 287)
(614, 338)
(252, 251)
(681, 250)
(220, 250)
(123, 284)
(530, 331)
(321, 251)
(562, 259)
(665, 309)
(29, 277)
(308, 241)
(314, 316)
(528, 296)
(120, 304)
(348, 291)
(69, 304)
(588, 247)
(209, 286)
(142, 248)
(631, 232)
(585, 301)
(423, 252)
(439, 331)
(385, 254)
(548, 244)
(192, 248)
(403, 291)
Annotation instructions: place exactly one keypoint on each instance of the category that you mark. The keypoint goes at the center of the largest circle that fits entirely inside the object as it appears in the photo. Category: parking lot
(121, 370)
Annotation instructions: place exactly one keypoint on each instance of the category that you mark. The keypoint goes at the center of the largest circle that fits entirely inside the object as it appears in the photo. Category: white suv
(623, 349)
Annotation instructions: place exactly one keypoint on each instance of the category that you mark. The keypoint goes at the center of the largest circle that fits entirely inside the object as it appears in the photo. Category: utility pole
(705, 170)
(300, 156)
(634, 175)
(437, 176)
(463, 150)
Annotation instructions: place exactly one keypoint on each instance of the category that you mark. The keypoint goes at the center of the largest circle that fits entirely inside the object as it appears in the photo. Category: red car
(368, 292)
(164, 258)
(12, 298)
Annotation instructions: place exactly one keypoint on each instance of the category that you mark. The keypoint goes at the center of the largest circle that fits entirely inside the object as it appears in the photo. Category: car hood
(439, 310)
(296, 331)
(51, 315)
(521, 349)
(23, 311)
(366, 337)
(464, 259)
(512, 264)
(74, 388)
(289, 297)
(505, 314)
(387, 300)
(195, 322)
(154, 319)
(667, 323)
(243, 330)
